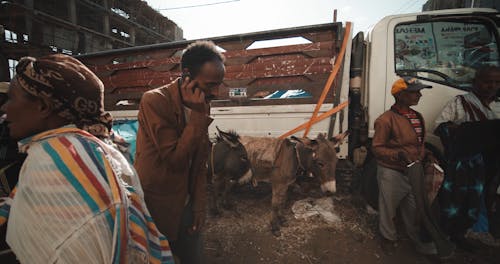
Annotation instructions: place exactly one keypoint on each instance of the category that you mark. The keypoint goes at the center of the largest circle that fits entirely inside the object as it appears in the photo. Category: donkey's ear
(313, 144)
(295, 139)
(229, 140)
(321, 136)
(339, 139)
(219, 132)
(223, 134)
(301, 146)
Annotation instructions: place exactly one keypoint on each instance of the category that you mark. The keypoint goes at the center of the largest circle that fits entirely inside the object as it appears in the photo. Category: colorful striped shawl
(74, 163)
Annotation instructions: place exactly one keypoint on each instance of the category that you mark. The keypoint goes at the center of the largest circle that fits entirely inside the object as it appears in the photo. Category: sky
(213, 18)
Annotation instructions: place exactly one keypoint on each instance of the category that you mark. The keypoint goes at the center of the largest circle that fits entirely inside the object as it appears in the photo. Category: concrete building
(36, 28)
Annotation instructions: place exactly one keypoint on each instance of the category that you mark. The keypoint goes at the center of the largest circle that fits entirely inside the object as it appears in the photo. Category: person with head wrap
(77, 200)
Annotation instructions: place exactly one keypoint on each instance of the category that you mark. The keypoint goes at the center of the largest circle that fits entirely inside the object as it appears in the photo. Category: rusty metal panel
(128, 73)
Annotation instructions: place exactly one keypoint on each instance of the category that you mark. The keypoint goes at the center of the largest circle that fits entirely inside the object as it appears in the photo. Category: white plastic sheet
(309, 207)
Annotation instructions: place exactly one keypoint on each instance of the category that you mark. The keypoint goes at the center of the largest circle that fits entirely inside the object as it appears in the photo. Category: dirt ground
(242, 235)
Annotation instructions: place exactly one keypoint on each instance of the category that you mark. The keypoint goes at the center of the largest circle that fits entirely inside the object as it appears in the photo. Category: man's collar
(399, 110)
(176, 96)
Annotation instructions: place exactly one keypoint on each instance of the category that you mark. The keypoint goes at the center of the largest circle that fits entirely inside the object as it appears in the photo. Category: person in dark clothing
(10, 165)
(468, 127)
(10, 159)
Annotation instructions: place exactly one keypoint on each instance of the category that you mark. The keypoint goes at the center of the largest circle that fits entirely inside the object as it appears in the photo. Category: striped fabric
(455, 111)
(415, 122)
(79, 201)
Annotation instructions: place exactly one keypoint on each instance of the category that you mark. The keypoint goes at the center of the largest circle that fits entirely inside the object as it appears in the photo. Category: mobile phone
(186, 75)
(183, 77)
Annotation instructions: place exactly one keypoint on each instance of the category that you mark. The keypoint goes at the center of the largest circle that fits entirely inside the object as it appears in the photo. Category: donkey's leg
(228, 186)
(278, 201)
(218, 187)
(212, 203)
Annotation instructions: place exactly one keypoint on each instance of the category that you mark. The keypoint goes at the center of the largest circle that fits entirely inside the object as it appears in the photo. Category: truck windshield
(447, 52)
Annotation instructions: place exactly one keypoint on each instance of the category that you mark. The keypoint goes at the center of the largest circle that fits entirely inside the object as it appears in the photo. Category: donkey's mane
(231, 134)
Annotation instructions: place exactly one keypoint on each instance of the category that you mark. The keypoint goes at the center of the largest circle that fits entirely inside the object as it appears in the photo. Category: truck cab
(441, 48)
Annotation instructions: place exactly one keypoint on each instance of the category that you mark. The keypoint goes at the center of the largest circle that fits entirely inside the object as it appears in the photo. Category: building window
(120, 12)
(67, 52)
(10, 36)
(12, 67)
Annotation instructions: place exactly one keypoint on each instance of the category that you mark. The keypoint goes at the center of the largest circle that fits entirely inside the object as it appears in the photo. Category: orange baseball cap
(407, 83)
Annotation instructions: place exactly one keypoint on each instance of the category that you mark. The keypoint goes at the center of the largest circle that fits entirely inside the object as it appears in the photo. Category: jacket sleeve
(380, 140)
(158, 119)
(199, 177)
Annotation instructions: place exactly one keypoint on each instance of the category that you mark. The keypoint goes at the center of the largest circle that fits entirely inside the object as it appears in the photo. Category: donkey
(280, 161)
(228, 164)
(236, 159)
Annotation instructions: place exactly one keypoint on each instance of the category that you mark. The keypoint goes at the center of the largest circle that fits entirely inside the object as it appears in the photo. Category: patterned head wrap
(74, 91)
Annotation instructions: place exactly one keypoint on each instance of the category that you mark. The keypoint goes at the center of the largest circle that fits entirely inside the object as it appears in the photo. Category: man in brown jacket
(172, 149)
(399, 140)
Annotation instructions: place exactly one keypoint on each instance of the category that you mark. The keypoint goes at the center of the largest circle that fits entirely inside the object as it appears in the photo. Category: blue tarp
(128, 130)
(288, 94)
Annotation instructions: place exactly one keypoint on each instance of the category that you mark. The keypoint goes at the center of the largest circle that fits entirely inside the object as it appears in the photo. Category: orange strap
(317, 119)
(329, 82)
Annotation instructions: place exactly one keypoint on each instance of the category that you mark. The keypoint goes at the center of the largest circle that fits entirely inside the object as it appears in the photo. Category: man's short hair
(485, 69)
(199, 53)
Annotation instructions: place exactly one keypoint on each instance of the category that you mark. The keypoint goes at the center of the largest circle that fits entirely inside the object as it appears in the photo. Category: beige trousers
(395, 191)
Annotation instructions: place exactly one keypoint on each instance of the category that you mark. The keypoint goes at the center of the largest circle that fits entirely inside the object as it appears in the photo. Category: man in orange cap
(399, 140)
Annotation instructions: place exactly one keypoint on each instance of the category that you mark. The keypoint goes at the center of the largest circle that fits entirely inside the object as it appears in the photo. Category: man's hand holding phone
(193, 97)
